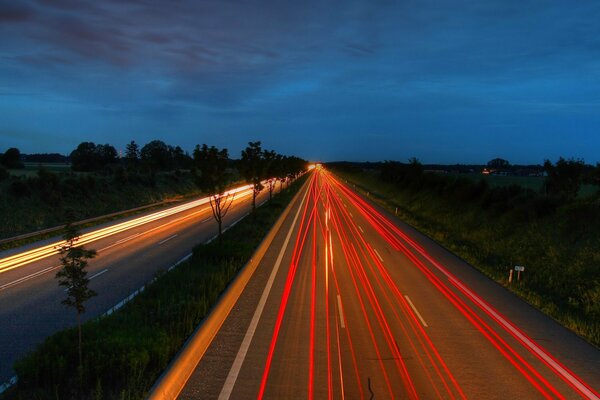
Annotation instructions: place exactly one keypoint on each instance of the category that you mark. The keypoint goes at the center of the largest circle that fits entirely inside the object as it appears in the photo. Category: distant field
(534, 183)
(31, 168)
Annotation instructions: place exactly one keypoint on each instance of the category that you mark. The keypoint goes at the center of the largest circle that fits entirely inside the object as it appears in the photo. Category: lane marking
(185, 258)
(167, 239)
(241, 354)
(341, 310)
(361, 229)
(337, 333)
(6, 385)
(410, 303)
(204, 220)
(28, 277)
(128, 238)
(350, 212)
(90, 278)
(378, 255)
(98, 274)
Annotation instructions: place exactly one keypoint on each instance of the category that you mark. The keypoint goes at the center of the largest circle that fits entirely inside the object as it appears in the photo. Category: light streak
(27, 257)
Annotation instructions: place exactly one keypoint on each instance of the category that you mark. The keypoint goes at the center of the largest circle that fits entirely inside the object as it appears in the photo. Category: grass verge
(125, 352)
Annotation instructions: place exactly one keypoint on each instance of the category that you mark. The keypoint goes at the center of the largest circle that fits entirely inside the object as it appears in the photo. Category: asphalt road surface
(347, 302)
(130, 253)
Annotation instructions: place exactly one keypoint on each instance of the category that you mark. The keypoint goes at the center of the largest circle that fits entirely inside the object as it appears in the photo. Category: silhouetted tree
(132, 152)
(498, 163)
(73, 276)
(91, 157)
(564, 178)
(212, 165)
(157, 156)
(181, 160)
(84, 157)
(273, 165)
(252, 168)
(12, 159)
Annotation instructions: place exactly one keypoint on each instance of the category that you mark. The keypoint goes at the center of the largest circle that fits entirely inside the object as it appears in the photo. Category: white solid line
(410, 303)
(376, 252)
(6, 385)
(98, 274)
(341, 310)
(241, 354)
(361, 229)
(179, 262)
(167, 239)
(205, 219)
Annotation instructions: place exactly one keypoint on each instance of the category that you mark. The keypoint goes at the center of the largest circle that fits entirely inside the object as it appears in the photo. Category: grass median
(125, 353)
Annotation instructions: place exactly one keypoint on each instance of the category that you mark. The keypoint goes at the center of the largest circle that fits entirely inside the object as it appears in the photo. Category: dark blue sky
(445, 81)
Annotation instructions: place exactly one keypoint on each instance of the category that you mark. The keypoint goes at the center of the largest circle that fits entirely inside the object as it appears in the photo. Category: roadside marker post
(519, 269)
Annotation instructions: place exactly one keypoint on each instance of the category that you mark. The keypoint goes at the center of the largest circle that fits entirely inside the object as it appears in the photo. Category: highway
(348, 302)
(131, 252)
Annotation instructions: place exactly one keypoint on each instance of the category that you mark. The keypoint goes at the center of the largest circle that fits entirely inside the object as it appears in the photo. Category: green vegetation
(31, 203)
(124, 353)
(555, 235)
(73, 276)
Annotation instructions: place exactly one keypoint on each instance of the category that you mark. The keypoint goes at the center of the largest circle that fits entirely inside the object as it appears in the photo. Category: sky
(460, 81)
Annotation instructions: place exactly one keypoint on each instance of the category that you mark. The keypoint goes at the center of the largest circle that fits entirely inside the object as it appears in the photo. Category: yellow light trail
(26, 257)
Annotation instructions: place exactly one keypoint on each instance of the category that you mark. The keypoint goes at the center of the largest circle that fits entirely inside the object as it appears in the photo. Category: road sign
(519, 268)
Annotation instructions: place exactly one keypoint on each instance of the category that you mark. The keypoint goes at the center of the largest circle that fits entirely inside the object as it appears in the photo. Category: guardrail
(85, 221)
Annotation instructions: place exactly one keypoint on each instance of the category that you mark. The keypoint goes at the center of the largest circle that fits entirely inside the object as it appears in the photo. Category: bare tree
(212, 164)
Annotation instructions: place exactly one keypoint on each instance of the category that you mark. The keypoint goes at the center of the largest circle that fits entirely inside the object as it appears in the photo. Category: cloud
(15, 12)
(353, 66)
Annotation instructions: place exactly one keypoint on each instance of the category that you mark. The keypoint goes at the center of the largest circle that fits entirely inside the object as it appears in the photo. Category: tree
(564, 178)
(85, 158)
(212, 164)
(498, 164)
(157, 156)
(132, 152)
(107, 154)
(273, 165)
(11, 159)
(73, 276)
(181, 160)
(252, 167)
(90, 157)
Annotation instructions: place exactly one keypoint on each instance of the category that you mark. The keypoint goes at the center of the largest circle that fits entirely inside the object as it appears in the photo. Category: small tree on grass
(73, 276)
(273, 166)
(212, 164)
(253, 168)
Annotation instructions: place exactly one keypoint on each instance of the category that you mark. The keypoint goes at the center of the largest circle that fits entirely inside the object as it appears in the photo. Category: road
(348, 302)
(130, 253)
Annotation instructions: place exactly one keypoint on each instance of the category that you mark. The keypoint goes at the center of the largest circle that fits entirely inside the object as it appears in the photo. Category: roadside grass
(559, 249)
(47, 199)
(125, 353)
(30, 168)
(535, 183)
